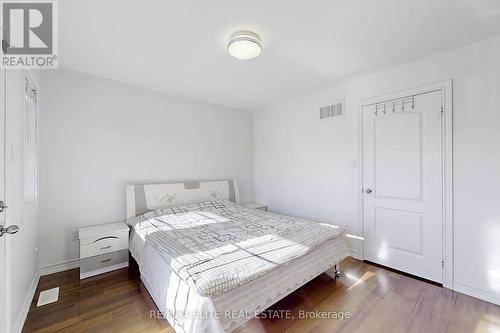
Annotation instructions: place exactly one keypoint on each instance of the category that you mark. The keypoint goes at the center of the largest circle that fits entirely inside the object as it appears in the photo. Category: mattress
(216, 246)
(189, 312)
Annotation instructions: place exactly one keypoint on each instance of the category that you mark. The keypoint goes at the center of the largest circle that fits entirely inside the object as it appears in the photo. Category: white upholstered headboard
(145, 197)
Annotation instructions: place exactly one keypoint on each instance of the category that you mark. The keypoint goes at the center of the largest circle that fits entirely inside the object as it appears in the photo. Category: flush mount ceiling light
(244, 45)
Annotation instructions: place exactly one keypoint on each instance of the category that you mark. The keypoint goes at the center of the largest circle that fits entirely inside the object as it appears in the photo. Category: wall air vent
(330, 111)
(324, 112)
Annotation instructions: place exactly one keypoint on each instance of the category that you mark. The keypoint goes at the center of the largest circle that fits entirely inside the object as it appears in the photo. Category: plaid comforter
(217, 246)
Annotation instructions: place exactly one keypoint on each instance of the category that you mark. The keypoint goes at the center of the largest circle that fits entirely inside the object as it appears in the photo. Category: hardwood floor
(376, 299)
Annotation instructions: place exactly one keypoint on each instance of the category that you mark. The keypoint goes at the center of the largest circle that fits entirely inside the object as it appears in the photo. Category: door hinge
(442, 263)
(5, 46)
(442, 109)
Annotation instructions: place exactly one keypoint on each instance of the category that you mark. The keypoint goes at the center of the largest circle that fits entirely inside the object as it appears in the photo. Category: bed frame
(145, 197)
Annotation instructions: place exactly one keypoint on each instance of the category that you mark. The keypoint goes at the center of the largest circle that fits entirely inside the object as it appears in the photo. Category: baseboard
(59, 267)
(17, 327)
(354, 254)
(487, 296)
(355, 246)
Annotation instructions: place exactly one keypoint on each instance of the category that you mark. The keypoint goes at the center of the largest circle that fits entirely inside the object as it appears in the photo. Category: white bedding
(188, 311)
(216, 246)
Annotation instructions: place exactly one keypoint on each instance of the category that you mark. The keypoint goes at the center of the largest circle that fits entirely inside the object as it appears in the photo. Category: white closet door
(402, 183)
(2, 198)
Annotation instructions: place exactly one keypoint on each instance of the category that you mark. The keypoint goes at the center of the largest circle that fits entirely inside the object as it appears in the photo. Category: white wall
(307, 167)
(22, 255)
(97, 135)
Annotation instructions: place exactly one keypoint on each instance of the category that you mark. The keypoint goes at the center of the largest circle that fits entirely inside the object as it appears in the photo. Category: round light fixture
(244, 45)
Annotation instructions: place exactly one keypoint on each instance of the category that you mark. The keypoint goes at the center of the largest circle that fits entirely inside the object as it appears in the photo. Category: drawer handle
(107, 237)
(106, 247)
(106, 260)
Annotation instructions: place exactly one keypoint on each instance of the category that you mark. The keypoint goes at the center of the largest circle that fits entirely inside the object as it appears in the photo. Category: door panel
(402, 166)
(391, 226)
(397, 162)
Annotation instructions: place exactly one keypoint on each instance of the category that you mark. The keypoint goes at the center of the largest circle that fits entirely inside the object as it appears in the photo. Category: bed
(217, 283)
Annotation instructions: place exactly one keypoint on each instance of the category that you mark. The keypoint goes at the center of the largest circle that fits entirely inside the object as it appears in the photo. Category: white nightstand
(103, 248)
(255, 205)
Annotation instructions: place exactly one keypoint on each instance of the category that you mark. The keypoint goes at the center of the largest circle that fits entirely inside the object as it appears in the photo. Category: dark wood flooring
(378, 300)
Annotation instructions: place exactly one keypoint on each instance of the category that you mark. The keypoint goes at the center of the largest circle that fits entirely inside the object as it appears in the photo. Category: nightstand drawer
(102, 245)
(113, 234)
(102, 261)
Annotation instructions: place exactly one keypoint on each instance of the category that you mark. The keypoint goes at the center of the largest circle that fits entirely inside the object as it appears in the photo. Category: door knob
(9, 230)
(2, 206)
(368, 190)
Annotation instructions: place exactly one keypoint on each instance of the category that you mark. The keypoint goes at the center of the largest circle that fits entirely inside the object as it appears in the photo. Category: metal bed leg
(337, 270)
(334, 271)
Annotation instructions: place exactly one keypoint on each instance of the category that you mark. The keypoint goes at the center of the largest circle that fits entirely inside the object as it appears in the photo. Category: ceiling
(180, 46)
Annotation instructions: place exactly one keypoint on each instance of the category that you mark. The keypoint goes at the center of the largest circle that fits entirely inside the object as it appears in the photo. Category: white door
(403, 184)
(2, 198)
